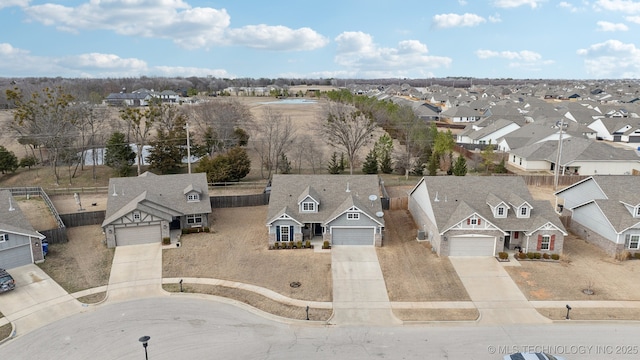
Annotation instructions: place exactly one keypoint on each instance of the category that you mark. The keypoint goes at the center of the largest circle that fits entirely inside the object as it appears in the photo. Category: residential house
(20, 244)
(577, 156)
(482, 216)
(462, 114)
(489, 132)
(340, 209)
(605, 211)
(148, 208)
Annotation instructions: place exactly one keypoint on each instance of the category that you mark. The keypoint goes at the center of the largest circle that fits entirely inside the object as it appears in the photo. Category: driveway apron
(493, 292)
(359, 291)
(36, 301)
(136, 272)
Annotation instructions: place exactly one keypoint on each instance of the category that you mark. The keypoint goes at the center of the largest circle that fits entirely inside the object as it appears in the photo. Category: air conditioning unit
(421, 235)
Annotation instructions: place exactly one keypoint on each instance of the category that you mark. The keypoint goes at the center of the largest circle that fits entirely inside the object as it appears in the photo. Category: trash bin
(45, 247)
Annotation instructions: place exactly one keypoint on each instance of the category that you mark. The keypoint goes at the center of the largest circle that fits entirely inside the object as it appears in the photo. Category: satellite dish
(379, 214)
(373, 197)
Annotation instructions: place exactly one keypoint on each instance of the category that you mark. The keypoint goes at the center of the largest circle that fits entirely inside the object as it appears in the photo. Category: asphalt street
(198, 327)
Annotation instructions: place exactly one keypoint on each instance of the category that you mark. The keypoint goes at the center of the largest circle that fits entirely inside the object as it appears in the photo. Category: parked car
(6, 281)
(532, 356)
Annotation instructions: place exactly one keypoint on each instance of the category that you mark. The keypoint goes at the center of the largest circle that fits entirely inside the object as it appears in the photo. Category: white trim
(353, 216)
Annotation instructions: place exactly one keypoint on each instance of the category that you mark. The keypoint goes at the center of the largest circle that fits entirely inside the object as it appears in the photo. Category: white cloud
(442, 21)
(357, 52)
(612, 59)
(625, 6)
(495, 18)
(277, 38)
(8, 51)
(9, 3)
(102, 62)
(517, 3)
(171, 71)
(188, 27)
(609, 26)
(523, 60)
(633, 19)
(565, 5)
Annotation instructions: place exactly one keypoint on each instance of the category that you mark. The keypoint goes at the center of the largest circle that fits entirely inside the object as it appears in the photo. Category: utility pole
(557, 169)
(188, 149)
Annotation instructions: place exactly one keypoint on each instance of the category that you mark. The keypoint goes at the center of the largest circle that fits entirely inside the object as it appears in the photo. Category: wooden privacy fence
(401, 203)
(83, 218)
(239, 200)
(548, 180)
(58, 235)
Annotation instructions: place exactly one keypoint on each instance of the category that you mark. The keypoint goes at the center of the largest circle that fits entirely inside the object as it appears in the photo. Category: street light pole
(559, 152)
(188, 149)
(145, 341)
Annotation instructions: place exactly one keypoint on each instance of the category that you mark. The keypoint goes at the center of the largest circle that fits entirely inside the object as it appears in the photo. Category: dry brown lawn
(5, 331)
(436, 314)
(582, 266)
(82, 263)
(236, 250)
(411, 271)
(37, 212)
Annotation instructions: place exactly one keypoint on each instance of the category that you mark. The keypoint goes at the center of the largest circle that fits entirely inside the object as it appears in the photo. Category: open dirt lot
(82, 263)
(411, 271)
(582, 266)
(237, 250)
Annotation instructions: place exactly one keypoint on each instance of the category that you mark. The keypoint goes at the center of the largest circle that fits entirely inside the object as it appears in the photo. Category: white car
(532, 356)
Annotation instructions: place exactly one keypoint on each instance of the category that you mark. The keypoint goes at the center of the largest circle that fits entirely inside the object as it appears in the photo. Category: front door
(507, 240)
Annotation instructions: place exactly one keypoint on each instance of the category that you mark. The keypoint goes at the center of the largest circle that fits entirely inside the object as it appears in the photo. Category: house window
(353, 216)
(284, 233)
(474, 221)
(500, 211)
(634, 242)
(523, 211)
(4, 237)
(546, 242)
(308, 206)
(638, 211)
(193, 197)
(194, 219)
(136, 216)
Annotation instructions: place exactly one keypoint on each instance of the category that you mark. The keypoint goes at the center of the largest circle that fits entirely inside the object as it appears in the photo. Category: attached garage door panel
(18, 256)
(471, 246)
(358, 236)
(136, 235)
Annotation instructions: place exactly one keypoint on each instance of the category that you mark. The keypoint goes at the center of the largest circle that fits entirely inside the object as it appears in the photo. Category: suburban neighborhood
(531, 182)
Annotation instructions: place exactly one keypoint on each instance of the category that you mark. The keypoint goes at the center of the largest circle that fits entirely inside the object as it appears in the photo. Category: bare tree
(218, 120)
(140, 123)
(273, 136)
(346, 128)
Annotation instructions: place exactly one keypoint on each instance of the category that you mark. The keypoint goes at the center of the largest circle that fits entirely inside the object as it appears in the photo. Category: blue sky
(522, 39)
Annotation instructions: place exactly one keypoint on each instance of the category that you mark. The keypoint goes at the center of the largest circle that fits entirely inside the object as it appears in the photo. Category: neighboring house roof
(575, 149)
(329, 190)
(161, 195)
(12, 219)
(616, 191)
(455, 198)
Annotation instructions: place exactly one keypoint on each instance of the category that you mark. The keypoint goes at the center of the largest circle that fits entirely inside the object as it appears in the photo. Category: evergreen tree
(460, 166)
(119, 155)
(370, 165)
(501, 168)
(343, 163)
(239, 163)
(28, 161)
(284, 165)
(8, 160)
(432, 166)
(232, 166)
(334, 166)
(488, 154)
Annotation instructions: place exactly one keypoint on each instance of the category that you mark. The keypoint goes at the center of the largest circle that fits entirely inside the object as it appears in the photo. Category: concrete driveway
(359, 291)
(136, 272)
(36, 301)
(494, 293)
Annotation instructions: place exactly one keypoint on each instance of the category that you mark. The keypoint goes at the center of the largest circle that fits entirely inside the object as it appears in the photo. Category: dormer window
(192, 197)
(309, 206)
(500, 211)
(524, 211)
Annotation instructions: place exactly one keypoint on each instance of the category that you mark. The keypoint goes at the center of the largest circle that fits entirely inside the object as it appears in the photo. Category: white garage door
(472, 245)
(17, 256)
(136, 235)
(351, 236)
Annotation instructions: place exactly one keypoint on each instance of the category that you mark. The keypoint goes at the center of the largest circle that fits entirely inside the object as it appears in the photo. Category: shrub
(537, 255)
(503, 255)
(325, 244)
(307, 244)
(166, 241)
(299, 244)
(545, 256)
(622, 256)
(636, 255)
(522, 255)
(206, 229)
(531, 255)
(555, 256)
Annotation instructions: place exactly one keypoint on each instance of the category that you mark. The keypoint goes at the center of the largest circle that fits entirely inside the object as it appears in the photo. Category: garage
(472, 245)
(14, 257)
(353, 236)
(136, 235)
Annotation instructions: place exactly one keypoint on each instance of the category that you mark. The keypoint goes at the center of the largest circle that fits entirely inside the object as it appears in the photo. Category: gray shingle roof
(329, 190)
(461, 196)
(14, 221)
(161, 195)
